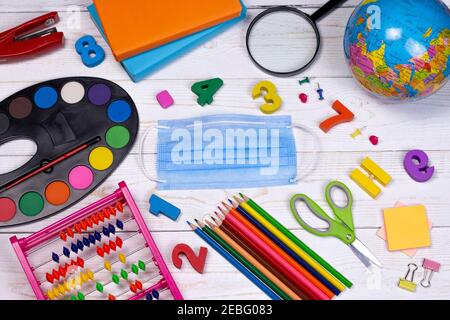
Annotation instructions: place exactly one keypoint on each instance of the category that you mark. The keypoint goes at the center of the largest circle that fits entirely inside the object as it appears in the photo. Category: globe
(399, 50)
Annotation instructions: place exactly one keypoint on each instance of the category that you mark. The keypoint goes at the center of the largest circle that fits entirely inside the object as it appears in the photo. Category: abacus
(89, 260)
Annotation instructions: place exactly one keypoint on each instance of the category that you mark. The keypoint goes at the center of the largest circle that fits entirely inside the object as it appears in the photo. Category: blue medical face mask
(225, 151)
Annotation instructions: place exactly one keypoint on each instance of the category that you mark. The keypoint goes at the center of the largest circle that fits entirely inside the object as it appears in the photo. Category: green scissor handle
(335, 228)
(342, 213)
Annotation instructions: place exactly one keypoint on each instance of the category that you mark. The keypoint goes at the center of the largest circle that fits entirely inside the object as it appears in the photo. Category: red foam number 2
(196, 261)
(344, 115)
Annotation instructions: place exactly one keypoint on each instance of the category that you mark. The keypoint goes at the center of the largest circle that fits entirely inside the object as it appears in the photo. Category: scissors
(341, 227)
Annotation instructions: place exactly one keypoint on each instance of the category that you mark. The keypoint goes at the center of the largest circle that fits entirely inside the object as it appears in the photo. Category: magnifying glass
(284, 41)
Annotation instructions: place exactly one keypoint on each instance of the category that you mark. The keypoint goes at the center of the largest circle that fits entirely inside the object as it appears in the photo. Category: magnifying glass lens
(283, 42)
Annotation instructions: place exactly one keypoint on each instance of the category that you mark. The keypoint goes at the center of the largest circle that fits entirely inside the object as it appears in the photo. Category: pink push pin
(303, 97)
(373, 140)
(164, 98)
(430, 267)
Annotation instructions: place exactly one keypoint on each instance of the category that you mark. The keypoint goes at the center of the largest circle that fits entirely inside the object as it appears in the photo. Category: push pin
(407, 282)
(373, 140)
(357, 132)
(303, 97)
(320, 92)
(430, 267)
(304, 81)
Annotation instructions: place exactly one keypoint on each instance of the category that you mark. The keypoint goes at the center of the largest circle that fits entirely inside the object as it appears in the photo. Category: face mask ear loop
(141, 158)
(317, 149)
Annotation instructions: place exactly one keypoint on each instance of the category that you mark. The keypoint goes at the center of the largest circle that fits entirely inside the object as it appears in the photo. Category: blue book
(141, 65)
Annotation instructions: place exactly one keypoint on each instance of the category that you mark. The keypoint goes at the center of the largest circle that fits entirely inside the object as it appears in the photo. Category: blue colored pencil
(234, 262)
(285, 248)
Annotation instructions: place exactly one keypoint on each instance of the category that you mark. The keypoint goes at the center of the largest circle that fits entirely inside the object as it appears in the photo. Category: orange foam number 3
(197, 262)
(344, 115)
(273, 100)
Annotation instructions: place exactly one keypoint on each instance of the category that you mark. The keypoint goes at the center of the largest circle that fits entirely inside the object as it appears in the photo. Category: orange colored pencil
(281, 252)
(254, 262)
(274, 258)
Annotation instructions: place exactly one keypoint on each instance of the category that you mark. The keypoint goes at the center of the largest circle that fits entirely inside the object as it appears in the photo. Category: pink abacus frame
(123, 195)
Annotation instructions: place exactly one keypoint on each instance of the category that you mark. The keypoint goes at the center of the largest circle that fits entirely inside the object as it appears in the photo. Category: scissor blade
(367, 263)
(363, 250)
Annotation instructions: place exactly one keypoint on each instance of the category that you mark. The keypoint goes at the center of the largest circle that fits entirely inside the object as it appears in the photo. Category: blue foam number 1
(161, 206)
(91, 53)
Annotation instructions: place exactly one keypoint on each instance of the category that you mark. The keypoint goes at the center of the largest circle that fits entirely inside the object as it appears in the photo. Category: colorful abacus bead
(55, 257)
(122, 258)
(107, 265)
(141, 265)
(66, 252)
(99, 287)
(80, 245)
(119, 242)
(115, 278)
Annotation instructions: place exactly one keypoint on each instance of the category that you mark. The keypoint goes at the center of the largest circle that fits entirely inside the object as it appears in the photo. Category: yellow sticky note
(407, 228)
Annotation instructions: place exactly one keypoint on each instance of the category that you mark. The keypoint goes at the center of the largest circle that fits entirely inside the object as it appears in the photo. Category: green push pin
(115, 278)
(80, 296)
(73, 298)
(99, 287)
(304, 81)
(124, 274)
(135, 269)
(141, 265)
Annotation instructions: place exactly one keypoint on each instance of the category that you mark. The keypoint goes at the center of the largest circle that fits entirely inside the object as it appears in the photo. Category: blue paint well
(119, 111)
(45, 97)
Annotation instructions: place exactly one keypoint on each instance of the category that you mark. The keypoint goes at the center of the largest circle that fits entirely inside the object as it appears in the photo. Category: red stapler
(20, 41)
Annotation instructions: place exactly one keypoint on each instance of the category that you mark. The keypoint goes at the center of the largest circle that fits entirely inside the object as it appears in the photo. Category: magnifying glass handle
(326, 9)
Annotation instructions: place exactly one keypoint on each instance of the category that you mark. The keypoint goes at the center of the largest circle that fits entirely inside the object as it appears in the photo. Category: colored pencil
(274, 258)
(234, 262)
(242, 258)
(263, 261)
(250, 227)
(295, 244)
(285, 248)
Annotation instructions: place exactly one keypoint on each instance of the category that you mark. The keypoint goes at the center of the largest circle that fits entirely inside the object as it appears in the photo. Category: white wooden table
(421, 125)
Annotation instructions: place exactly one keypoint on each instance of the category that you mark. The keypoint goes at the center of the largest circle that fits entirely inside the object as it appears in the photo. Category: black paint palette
(83, 128)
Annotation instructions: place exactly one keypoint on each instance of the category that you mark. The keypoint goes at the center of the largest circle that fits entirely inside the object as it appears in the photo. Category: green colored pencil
(297, 241)
(242, 260)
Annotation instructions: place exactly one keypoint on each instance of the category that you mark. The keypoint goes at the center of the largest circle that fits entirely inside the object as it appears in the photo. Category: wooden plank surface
(422, 124)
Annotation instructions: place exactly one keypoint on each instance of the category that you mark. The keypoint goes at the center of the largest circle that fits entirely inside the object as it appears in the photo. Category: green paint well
(117, 137)
(31, 204)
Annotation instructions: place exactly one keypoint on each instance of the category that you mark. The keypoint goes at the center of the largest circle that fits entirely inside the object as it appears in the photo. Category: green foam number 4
(205, 90)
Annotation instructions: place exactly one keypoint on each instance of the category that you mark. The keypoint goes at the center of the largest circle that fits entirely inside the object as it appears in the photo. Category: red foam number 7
(344, 115)
(197, 262)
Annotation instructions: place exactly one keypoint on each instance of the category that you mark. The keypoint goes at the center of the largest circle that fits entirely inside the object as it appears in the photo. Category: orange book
(135, 26)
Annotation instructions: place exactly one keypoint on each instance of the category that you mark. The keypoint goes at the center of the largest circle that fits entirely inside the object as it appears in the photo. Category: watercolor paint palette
(83, 128)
